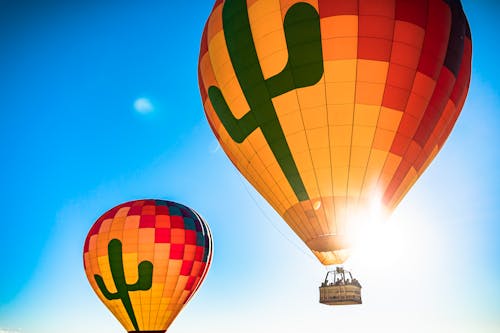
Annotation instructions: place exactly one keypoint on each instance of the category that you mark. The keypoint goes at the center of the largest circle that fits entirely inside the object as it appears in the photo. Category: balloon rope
(272, 223)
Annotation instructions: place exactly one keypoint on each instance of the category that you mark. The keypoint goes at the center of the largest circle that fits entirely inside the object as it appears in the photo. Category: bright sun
(382, 242)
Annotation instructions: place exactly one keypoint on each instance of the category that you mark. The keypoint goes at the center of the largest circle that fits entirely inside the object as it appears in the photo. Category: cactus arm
(305, 58)
(145, 280)
(238, 129)
(104, 290)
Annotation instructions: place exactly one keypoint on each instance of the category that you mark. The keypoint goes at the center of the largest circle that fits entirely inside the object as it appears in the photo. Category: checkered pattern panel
(170, 236)
(328, 105)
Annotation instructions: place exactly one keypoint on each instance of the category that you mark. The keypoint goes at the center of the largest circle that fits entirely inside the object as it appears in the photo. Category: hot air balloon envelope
(145, 259)
(331, 107)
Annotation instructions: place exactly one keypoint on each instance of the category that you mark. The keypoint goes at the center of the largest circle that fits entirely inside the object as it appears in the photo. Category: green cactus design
(144, 282)
(304, 68)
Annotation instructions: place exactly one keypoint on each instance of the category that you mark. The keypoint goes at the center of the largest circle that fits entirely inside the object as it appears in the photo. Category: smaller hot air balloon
(145, 259)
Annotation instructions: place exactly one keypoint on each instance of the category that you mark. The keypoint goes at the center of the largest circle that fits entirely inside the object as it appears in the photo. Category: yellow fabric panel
(130, 240)
(146, 308)
(214, 23)
(317, 138)
(293, 125)
(106, 225)
(146, 244)
(340, 71)
(356, 175)
(340, 135)
(383, 139)
(298, 143)
(273, 59)
(341, 93)
(375, 164)
(235, 98)
(267, 29)
(359, 159)
(324, 177)
(120, 314)
(362, 136)
(118, 224)
(130, 262)
(340, 48)
(132, 222)
(339, 26)
(106, 272)
(167, 316)
(122, 212)
(389, 119)
(391, 164)
(102, 245)
(366, 115)
(135, 299)
(369, 93)
(277, 186)
(310, 182)
(311, 97)
(372, 71)
(341, 146)
(340, 177)
(91, 261)
(208, 77)
(219, 57)
(339, 34)
(266, 157)
(286, 103)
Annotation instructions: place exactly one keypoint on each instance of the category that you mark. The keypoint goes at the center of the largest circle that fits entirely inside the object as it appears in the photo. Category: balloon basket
(340, 288)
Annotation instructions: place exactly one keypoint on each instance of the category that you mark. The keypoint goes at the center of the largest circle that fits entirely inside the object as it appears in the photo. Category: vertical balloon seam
(379, 107)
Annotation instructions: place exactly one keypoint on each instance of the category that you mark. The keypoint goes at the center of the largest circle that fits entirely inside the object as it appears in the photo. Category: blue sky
(73, 146)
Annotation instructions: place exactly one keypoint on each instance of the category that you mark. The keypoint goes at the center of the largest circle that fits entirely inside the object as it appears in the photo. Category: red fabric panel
(176, 251)
(436, 106)
(463, 78)
(374, 48)
(329, 8)
(436, 38)
(203, 51)
(162, 235)
(398, 87)
(147, 221)
(397, 179)
(377, 8)
(412, 11)
(186, 267)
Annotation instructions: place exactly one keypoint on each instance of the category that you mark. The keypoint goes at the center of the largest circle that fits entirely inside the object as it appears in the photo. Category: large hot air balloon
(145, 259)
(326, 106)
